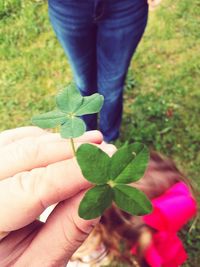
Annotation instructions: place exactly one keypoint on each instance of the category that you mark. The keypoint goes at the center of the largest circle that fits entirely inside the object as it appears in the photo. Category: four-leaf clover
(110, 176)
(70, 106)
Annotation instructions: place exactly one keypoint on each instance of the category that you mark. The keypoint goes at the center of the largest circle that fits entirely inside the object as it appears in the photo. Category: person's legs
(119, 31)
(74, 26)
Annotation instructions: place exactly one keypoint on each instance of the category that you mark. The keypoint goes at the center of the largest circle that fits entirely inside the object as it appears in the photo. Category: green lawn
(163, 86)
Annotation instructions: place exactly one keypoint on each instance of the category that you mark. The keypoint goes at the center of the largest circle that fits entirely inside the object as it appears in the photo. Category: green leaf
(73, 127)
(94, 163)
(95, 202)
(69, 99)
(49, 120)
(129, 163)
(120, 159)
(91, 104)
(131, 200)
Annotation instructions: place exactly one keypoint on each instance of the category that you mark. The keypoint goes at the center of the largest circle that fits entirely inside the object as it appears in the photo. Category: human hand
(37, 169)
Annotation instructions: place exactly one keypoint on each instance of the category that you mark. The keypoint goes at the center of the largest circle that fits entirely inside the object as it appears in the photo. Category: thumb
(62, 234)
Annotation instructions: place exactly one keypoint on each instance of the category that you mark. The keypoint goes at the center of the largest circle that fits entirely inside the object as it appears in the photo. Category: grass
(167, 70)
(163, 86)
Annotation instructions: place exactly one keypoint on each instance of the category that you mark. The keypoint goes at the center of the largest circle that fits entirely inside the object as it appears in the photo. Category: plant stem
(73, 146)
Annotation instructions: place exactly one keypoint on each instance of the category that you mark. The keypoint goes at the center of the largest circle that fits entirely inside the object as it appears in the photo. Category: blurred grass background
(162, 96)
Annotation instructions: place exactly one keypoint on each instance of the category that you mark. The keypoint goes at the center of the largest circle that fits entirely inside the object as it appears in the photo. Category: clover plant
(110, 176)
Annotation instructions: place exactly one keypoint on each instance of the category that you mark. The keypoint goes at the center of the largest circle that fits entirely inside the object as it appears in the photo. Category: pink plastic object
(170, 212)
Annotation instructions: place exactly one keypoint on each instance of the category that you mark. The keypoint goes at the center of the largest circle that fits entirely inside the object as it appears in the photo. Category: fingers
(9, 136)
(60, 237)
(89, 136)
(3, 234)
(33, 152)
(26, 195)
(14, 245)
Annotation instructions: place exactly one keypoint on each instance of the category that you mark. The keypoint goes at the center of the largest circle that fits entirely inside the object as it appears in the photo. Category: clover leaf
(131, 200)
(111, 176)
(70, 105)
(96, 201)
(94, 163)
(69, 99)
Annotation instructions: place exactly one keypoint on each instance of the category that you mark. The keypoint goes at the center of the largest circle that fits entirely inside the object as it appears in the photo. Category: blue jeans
(99, 38)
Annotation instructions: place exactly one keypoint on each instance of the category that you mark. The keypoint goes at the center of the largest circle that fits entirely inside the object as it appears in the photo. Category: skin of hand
(37, 169)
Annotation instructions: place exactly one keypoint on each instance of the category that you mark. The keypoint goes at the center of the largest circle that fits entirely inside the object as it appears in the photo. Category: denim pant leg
(119, 32)
(73, 24)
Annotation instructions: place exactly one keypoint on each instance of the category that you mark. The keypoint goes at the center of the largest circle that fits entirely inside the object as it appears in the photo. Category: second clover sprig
(110, 176)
